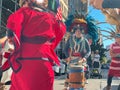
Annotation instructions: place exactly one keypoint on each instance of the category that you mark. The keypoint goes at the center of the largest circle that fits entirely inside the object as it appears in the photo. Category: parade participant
(96, 59)
(37, 32)
(92, 56)
(87, 27)
(7, 49)
(77, 46)
(114, 70)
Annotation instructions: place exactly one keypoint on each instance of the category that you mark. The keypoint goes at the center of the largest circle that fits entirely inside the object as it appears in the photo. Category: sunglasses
(78, 28)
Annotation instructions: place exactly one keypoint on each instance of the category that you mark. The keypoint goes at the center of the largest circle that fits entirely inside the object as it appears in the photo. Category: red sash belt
(36, 39)
(76, 54)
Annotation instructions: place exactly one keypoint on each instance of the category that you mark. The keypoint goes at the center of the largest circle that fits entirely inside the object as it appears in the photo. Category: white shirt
(96, 57)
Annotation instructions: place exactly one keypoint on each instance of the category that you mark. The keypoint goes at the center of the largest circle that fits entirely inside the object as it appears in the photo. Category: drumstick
(8, 83)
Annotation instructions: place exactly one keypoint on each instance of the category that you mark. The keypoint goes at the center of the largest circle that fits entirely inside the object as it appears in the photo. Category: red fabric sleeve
(60, 30)
(10, 22)
(15, 21)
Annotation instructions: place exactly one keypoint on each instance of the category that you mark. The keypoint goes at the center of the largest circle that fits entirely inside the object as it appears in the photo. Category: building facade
(80, 6)
(64, 6)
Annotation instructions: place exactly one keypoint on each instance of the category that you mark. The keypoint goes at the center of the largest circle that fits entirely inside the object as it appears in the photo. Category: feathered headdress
(87, 23)
(76, 21)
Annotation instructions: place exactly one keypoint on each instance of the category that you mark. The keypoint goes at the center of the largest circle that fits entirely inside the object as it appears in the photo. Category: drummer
(77, 46)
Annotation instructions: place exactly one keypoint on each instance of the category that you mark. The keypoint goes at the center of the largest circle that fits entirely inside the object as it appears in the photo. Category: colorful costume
(37, 33)
(77, 49)
(77, 45)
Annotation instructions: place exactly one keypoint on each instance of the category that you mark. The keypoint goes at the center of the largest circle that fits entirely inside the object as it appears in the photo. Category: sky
(97, 15)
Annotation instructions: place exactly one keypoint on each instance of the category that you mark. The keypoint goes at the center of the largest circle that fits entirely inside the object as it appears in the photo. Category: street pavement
(94, 83)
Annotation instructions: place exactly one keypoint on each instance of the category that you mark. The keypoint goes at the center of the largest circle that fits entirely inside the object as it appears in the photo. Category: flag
(59, 11)
(54, 5)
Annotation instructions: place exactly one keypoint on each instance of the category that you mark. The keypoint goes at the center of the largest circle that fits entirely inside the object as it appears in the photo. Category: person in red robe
(36, 32)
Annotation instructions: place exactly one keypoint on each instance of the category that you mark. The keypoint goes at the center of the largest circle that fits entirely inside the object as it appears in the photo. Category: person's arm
(59, 31)
(87, 54)
(2, 40)
(67, 50)
(88, 49)
(112, 53)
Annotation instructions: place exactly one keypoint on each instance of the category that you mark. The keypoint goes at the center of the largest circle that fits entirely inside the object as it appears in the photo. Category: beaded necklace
(77, 42)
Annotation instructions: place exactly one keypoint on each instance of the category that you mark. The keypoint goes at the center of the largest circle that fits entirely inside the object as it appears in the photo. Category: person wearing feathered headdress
(87, 27)
(36, 32)
(77, 45)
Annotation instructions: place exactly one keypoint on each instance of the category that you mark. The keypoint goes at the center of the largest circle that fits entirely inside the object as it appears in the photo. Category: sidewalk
(115, 84)
(100, 84)
(94, 84)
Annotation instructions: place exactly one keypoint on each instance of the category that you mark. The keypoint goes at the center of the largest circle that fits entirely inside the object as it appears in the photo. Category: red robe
(34, 74)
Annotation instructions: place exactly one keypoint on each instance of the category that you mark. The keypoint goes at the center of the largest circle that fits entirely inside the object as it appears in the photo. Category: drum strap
(76, 82)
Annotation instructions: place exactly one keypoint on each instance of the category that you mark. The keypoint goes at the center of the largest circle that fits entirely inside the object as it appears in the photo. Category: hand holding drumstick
(82, 61)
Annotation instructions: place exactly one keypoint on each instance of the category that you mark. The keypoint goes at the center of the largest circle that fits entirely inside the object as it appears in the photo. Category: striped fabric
(59, 14)
(59, 11)
(115, 63)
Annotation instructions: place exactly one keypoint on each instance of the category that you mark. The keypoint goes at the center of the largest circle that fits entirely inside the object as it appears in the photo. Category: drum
(76, 77)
